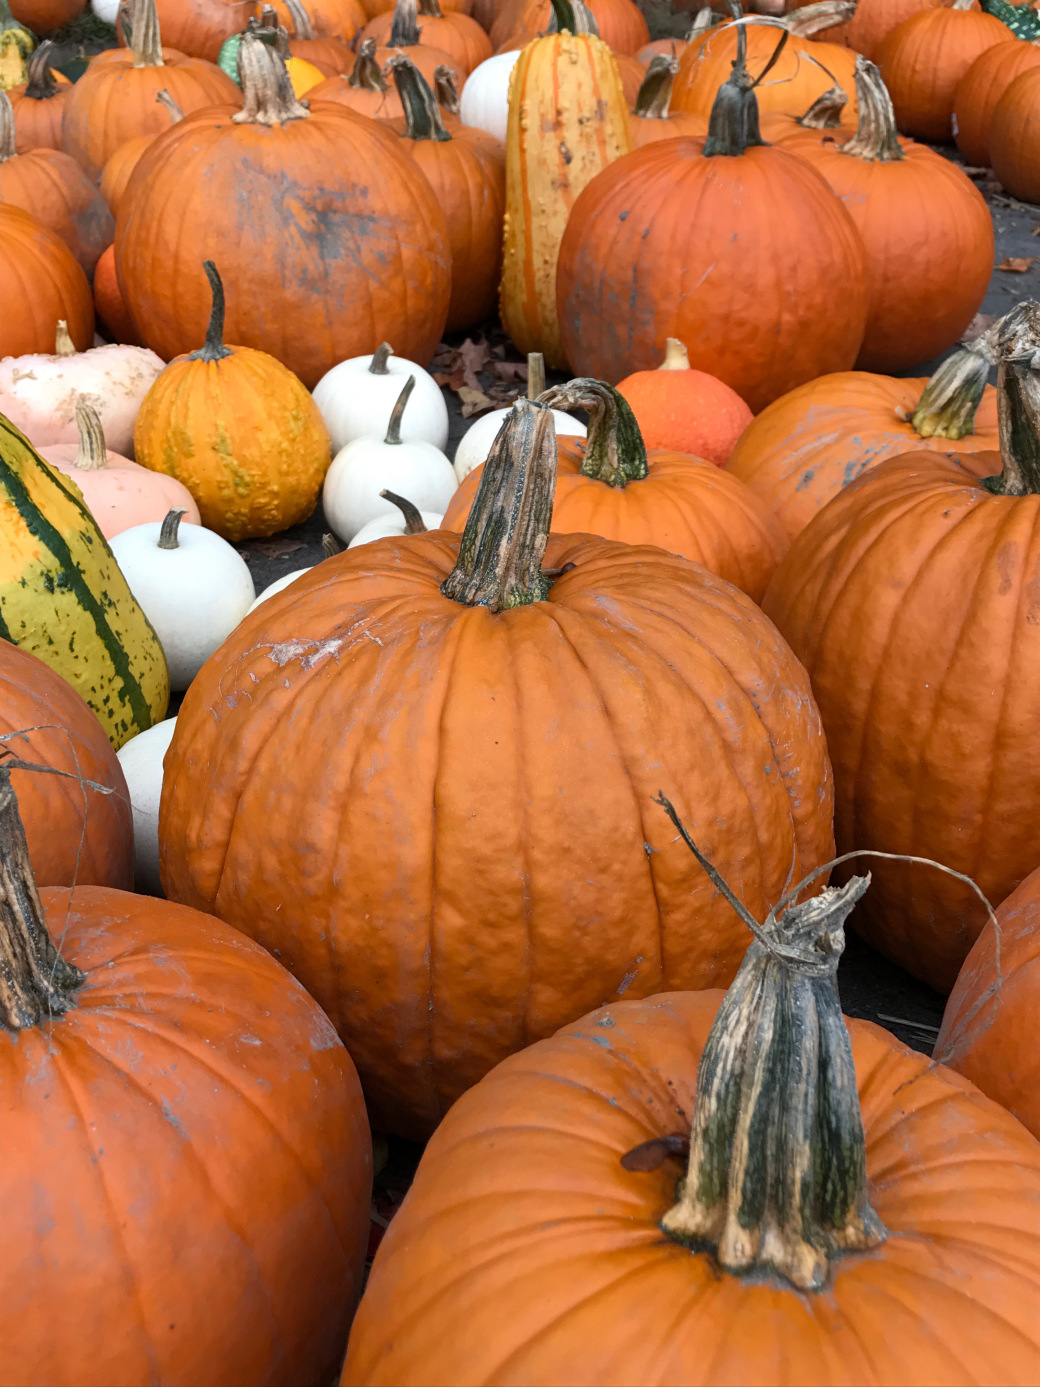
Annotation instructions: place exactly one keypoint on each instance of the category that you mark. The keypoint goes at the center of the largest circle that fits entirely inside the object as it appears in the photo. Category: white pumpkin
(407, 521)
(142, 761)
(38, 393)
(357, 397)
(475, 443)
(365, 468)
(106, 10)
(192, 586)
(485, 97)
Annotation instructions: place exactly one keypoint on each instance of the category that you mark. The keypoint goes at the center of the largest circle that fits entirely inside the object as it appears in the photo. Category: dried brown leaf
(511, 370)
(1017, 264)
(271, 548)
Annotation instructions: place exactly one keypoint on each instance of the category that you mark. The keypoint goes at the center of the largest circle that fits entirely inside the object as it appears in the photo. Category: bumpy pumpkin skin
(457, 747)
(989, 1028)
(33, 255)
(813, 442)
(526, 1253)
(199, 1138)
(908, 601)
(77, 835)
(1013, 136)
(297, 193)
(980, 90)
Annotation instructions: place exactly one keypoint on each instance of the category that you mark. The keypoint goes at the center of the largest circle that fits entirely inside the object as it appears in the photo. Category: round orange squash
(493, 705)
(609, 485)
(365, 90)
(910, 601)
(850, 1217)
(40, 283)
(44, 16)
(39, 102)
(288, 295)
(989, 1027)
(146, 1065)
(686, 410)
(1013, 137)
(422, 22)
(981, 88)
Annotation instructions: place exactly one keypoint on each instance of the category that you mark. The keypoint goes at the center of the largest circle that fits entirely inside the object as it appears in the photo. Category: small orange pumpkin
(365, 90)
(39, 102)
(116, 174)
(111, 311)
(686, 410)
(422, 22)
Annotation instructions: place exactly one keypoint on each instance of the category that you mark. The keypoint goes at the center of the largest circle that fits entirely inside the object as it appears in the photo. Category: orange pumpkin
(199, 28)
(366, 90)
(307, 308)
(873, 20)
(981, 88)
(486, 698)
(338, 19)
(115, 101)
(1013, 135)
(40, 282)
(44, 16)
(619, 23)
(421, 22)
(116, 174)
(39, 102)
(78, 834)
(925, 57)
(332, 54)
(810, 444)
(908, 600)
(873, 1237)
(178, 1054)
(609, 485)
(686, 410)
(467, 171)
(926, 229)
(650, 118)
(112, 312)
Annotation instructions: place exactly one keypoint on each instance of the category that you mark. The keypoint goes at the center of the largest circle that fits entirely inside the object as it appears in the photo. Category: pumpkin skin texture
(813, 442)
(981, 88)
(686, 410)
(39, 102)
(44, 16)
(989, 1028)
(1013, 133)
(495, 798)
(189, 1057)
(315, 309)
(32, 255)
(75, 833)
(760, 241)
(200, 27)
(530, 1161)
(923, 60)
(873, 20)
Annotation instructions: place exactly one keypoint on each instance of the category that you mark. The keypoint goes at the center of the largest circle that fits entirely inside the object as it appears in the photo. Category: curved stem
(267, 94)
(875, 136)
(535, 375)
(810, 19)
(63, 343)
(614, 449)
(676, 357)
(301, 20)
(404, 32)
(501, 550)
(170, 528)
(7, 130)
(733, 123)
(330, 546)
(172, 109)
(1018, 402)
(213, 348)
(393, 428)
(422, 116)
(413, 521)
(91, 455)
(36, 983)
(366, 73)
(382, 354)
(41, 84)
(145, 40)
(446, 88)
(572, 16)
(703, 20)
(655, 91)
(948, 404)
(826, 111)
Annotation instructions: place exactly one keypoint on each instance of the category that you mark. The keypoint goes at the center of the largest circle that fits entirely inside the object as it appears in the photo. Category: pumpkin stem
(446, 88)
(777, 1180)
(145, 40)
(501, 550)
(267, 94)
(676, 357)
(949, 401)
(431, 9)
(382, 354)
(703, 20)
(422, 115)
(826, 111)
(573, 17)
(655, 91)
(170, 528)
(413, 521)
(733, 123)
(7, 131)
(810, 19)
(535, 375)
(63, 343)
(614, 449)
(405, 31)
(366, 73)
(173, 110)
(301, 20)
(91, 455)
(41, 83)
(1018, 402)
(393, 429)
(875, 136)
(36, 983)
(330, 545)
(213, 348)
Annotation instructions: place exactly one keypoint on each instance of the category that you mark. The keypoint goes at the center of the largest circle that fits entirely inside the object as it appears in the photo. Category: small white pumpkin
(142, 761)
(364, 469)
(407, 521)
(357, 397)
(485, 97)
(106, 10)
(475, 444)
(192, 586)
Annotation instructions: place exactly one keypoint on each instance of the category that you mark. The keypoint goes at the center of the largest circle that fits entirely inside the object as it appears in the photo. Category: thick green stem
(655, 91)
(213, 348)
(950, 399)
(145, 41)
(614, 449)
(36, 983)
(366, 73)
(875, 138)
(267, 94)
(404, 32)
(501, 550)
(41, 84)
(1018, 402)
(91, 455)
(422, 116)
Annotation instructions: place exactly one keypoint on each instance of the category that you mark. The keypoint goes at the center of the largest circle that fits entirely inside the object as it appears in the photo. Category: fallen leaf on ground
(511, 370)
(271, 548)
(1017, 264)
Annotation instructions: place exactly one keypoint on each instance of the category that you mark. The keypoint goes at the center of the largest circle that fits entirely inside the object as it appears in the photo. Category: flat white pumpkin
(357, 398)
(142, 761)
(407, 521)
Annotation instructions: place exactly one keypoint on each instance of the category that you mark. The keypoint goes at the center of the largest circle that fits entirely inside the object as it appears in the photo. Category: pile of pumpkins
(508, 826)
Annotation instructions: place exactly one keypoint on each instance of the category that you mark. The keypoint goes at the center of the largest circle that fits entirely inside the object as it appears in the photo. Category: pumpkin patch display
(31, 254)
(908, 601)
(686, 410)
(38, 102)
(485, 698)
(145, 1065)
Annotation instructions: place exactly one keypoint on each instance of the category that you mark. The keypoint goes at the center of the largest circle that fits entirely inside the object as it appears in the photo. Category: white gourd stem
(393, 428)
(63, 343)
(676, 357)
(535, 375)
(413, 521)
(91, 455)
(170, 527)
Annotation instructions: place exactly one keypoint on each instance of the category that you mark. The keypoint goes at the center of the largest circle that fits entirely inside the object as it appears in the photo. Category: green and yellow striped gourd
(63, 597)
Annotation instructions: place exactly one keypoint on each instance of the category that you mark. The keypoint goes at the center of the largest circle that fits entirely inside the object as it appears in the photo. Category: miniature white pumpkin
(142, 761)
(484, 101)
(407, 521)
(192, 586)
(365, 468)
(106, 10)
(357, 397)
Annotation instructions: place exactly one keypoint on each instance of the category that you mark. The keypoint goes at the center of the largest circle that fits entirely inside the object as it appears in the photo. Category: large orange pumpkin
(609, 485)
(733, 247)
(1013, 135)
(456, 34)
(850, 1216)
(989, 1027)
(386, 769)
(873, 20)
(813, 442)
(40, 283)
(186, 1158)
(926, 229)
(39, 102)
(287, 293)
(78, 834)
(365, 90)
(44, 16)
(200, 27)
(910, 601)
(981, 88)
